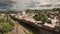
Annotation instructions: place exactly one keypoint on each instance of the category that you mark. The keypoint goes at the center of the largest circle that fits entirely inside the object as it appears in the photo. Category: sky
(19, 5)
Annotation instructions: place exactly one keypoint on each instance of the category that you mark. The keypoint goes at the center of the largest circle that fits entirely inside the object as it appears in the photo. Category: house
(58, 25)
(49, 26)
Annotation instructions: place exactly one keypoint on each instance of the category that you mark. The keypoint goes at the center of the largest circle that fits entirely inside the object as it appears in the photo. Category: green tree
(49, 21)
(44, 19)
(37, 17)
(5, 26)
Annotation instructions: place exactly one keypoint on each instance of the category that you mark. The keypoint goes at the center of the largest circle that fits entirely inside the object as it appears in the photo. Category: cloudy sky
(28, 4)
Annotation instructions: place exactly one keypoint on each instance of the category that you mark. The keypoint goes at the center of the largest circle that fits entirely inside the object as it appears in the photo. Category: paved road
(18, 28)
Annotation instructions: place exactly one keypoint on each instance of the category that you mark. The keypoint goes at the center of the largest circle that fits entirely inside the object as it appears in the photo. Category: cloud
(36, 4)
(28, 4)
(5, 5)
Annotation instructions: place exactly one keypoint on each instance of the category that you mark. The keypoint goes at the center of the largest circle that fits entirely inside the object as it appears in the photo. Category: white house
(50, 25)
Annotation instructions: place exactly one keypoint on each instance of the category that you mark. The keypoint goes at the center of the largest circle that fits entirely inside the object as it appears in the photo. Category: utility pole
(7, 15)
